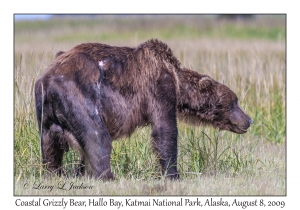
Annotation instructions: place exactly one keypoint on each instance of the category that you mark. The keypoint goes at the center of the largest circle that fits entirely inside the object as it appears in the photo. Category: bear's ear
(59, 53)
(205, 83)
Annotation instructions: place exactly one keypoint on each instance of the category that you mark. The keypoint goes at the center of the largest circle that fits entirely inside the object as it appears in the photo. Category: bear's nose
(251, 121)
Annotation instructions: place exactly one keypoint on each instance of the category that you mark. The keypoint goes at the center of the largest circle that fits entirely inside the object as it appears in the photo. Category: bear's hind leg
(80, 170)
(97, 151)
(52, 149)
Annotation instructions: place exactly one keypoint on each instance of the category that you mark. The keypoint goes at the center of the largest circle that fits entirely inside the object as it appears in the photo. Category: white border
(187, 6)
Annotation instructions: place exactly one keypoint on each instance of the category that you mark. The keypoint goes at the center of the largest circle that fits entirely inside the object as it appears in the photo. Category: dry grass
(268, 177)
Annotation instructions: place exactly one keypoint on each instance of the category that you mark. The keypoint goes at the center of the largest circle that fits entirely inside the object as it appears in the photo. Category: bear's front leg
(164, 125)
(164, 142)
(164, 139)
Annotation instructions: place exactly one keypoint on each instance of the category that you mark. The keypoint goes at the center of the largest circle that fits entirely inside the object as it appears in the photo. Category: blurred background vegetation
(61, 28)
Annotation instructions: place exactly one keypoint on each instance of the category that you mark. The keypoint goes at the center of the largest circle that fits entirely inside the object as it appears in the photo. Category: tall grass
(252, 65)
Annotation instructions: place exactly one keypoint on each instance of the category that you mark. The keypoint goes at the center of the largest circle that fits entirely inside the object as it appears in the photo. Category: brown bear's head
(204, 100)
(223, 110)
(227, 114)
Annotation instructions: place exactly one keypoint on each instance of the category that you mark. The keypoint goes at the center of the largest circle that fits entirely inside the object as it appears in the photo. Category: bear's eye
(233, 104)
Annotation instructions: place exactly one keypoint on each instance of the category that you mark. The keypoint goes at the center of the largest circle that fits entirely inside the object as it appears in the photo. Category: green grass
(164, 27)
(247, 56)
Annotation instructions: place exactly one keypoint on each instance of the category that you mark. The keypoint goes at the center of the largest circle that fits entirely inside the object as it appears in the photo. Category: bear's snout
(239, 120)
(251, 121)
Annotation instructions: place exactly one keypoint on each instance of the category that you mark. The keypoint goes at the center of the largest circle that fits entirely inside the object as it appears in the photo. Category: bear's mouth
(238, 130)
(232, 127)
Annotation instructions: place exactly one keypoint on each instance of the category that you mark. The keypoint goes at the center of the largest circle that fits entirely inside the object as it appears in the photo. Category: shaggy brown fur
(95, 93)
(203, 100)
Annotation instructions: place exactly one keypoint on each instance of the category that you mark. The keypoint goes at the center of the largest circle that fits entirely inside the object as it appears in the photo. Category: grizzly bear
(96, 93)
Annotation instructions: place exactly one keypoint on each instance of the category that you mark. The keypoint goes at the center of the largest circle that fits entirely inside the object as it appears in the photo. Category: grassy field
(249, 56)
